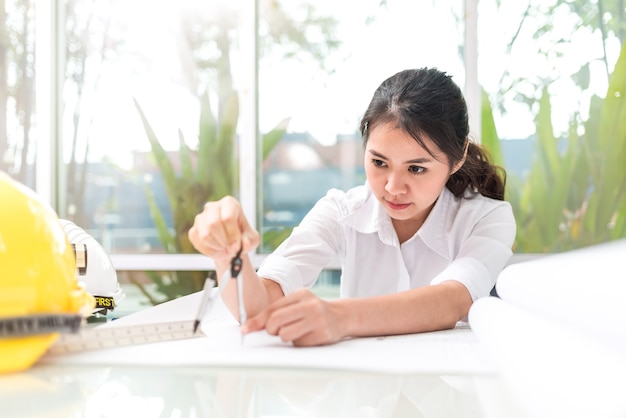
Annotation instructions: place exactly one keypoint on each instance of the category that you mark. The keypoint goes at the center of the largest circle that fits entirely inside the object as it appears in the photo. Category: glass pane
(547, 68)
(145, 71)
(143, 289)
(17, 91)
(319, 65)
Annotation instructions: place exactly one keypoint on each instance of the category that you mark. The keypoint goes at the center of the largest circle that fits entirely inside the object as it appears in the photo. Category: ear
(458, 165)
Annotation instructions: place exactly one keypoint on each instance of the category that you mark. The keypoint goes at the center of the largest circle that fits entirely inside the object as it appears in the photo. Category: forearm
(258, 292)
(424, 309)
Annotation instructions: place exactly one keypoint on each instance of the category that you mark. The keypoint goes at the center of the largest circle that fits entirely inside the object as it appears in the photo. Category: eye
(416, 169)
(378, 163)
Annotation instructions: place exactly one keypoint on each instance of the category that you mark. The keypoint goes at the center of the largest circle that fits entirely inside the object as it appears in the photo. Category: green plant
(573, 195)
(211, 175)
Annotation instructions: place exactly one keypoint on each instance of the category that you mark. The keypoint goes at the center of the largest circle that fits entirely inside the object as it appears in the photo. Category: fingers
(228, 215)
(256, 323)
(286, 322)
(279, 315)
(221, 229)
(249, 236)
(301, 318)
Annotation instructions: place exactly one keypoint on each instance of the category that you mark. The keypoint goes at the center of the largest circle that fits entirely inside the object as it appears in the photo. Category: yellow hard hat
(39, 292)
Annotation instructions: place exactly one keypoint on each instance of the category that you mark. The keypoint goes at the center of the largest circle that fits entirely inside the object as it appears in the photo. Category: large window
(148, 109)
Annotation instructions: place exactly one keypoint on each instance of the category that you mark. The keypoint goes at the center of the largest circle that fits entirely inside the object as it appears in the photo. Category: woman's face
(404, 177)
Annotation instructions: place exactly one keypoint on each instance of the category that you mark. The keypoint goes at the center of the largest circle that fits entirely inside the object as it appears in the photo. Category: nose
(396, 184)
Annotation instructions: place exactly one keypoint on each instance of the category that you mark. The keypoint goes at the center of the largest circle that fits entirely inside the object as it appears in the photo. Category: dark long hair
(426, 102)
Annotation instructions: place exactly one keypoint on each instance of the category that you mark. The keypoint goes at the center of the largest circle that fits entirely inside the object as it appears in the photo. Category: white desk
(442, 374)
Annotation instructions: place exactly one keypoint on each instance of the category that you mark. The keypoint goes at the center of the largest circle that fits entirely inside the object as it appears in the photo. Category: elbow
(459, 301)
(450, 321)
(448, 318)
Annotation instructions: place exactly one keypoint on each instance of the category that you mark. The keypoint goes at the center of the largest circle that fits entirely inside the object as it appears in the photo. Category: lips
(397, 206)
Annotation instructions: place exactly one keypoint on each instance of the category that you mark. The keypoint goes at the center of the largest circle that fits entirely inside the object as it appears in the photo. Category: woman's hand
(302, 318)
(221, 230)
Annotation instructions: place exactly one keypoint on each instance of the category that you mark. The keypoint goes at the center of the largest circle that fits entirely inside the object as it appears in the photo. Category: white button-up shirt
(464, 239)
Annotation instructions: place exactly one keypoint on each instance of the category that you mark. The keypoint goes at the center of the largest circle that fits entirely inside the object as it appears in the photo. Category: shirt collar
(365, 214)
(434, 230)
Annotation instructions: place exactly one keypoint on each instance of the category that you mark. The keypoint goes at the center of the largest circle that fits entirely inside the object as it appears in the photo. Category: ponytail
(478, 173)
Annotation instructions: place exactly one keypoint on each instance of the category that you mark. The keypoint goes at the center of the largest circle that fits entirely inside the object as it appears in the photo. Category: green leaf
(272, 138)
(221, 173)
(186, 166)
(163, 232)
(610, 145)
(489, 135)
(207, 135)
(160, 156)
(545, 133)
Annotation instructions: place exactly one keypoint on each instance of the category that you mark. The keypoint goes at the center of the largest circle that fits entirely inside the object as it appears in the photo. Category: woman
(423, 238)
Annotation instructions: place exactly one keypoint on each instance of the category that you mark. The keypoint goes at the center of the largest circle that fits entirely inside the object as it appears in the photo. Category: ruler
(116, 336)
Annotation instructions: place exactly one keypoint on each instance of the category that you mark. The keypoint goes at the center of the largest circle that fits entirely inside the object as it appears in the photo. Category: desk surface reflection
(70, 391)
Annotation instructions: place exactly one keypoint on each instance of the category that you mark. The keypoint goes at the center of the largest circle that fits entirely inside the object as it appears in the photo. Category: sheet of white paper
(454, 351)
(557, 333)
(552, 370)
(583, 289)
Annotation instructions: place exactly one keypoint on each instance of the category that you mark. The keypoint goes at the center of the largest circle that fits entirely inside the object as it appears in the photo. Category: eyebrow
(414, 161)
